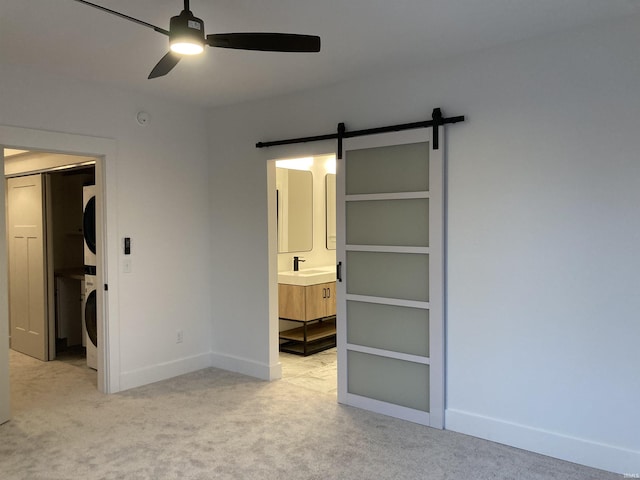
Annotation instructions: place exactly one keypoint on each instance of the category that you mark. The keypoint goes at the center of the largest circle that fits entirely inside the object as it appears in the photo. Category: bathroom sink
(312, 271)
(311, 276)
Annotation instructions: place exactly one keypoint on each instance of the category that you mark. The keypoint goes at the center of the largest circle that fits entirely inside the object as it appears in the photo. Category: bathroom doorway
(302, 214)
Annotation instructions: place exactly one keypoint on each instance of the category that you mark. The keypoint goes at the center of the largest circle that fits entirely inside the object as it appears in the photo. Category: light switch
(126, 265)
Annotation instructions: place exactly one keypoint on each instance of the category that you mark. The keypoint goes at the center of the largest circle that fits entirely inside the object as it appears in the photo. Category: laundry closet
(47, 195)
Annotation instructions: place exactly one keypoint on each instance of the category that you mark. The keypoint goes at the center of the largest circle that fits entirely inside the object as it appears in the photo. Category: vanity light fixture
(296, 163)
(330, 165)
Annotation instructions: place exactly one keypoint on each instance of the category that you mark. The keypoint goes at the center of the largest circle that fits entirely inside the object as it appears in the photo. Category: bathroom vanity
(308, 298)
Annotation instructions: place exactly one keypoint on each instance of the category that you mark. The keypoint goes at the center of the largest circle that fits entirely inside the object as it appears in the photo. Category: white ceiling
(359, 37)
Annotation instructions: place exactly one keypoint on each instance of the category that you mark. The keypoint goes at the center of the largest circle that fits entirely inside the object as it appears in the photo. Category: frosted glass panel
(390, 275)
(389, 380)
(388, 222)
(399, 329)
(397, 168)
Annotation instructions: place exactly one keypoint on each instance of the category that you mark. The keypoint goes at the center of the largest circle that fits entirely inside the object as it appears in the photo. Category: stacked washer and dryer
(90, 280)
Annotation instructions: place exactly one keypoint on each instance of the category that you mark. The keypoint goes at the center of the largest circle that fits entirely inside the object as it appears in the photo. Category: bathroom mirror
(330, 209)
(295, 210)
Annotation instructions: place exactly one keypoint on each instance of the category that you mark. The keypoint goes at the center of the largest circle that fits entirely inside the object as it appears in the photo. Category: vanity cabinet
(314, 306)
(296, 302)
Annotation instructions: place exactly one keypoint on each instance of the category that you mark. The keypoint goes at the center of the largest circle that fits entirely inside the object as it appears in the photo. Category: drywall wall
(543, 179)
(157, 194)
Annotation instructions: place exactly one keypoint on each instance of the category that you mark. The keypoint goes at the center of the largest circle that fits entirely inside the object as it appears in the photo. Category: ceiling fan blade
(126, 17)
(269, 42)
(165, 65)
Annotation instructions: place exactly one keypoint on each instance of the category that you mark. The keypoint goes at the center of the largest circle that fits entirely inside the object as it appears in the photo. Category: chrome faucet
(296, 263)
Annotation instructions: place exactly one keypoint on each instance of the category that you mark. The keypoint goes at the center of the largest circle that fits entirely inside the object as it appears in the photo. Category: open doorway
(48, 231)
(304, 217)
(104, 150)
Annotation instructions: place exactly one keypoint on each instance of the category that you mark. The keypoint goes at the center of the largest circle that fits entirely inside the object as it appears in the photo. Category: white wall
(161, 202)
(542, 330)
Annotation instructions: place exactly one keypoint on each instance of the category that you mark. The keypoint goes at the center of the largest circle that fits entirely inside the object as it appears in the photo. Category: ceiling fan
(186, 37)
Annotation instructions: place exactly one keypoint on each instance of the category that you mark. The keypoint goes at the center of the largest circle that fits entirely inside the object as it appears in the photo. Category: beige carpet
(214, 424)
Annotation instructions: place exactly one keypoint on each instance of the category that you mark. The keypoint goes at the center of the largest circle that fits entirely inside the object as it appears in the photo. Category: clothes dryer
(91, 320)
(89, 228)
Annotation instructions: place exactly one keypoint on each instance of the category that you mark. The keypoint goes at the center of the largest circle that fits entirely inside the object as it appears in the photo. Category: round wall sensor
(143, 118)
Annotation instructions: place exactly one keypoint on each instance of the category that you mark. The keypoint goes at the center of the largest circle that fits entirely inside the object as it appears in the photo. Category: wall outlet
(179, 336)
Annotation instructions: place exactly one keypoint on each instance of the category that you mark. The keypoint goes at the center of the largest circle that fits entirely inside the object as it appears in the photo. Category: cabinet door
(291, 299)
(331, 299)
(315, 299)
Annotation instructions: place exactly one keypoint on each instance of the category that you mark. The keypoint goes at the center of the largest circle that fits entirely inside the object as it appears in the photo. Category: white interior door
(390, 245)
(27, 280)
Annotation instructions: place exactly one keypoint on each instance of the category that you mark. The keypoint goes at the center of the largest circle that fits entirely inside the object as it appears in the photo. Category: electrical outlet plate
(179, 336)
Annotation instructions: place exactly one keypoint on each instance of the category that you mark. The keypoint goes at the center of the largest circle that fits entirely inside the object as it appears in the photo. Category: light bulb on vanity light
(330, 165)
(296, 163)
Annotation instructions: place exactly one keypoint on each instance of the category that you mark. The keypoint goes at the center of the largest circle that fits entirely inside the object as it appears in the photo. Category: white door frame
(104, 150)
(5, 398)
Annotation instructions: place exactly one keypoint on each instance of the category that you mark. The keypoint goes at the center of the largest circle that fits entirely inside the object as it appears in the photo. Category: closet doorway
(46, 246)
(103, 151)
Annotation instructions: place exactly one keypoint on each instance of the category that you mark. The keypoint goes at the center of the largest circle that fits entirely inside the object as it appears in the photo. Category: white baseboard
(163, 371)
(251, 368)
(576, 450)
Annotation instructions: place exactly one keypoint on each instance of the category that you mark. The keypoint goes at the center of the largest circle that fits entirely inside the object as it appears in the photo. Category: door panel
(370, 170)
(388, 222)
(369, 325)
(390, 300)
(27, 280)
(389, 380)
(389, 275)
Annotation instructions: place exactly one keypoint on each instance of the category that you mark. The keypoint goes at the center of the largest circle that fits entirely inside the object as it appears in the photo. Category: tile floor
(316, 372)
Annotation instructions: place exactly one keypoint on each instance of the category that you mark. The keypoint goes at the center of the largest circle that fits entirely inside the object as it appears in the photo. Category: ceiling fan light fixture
(186, 34)
(186, 48)
(186, 37)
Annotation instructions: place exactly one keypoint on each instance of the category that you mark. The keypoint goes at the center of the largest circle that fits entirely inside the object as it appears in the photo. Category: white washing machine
(91, 320)
(84, 327)
(89, 308)
(89, 228)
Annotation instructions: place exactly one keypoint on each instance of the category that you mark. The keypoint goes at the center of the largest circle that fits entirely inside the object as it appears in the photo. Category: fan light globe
(186, 48)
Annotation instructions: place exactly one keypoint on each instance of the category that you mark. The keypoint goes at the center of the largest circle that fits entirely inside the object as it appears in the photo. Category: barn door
(391, 293)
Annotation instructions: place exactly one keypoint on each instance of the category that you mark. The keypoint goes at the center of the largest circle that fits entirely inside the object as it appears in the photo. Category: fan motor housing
(186, 29)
